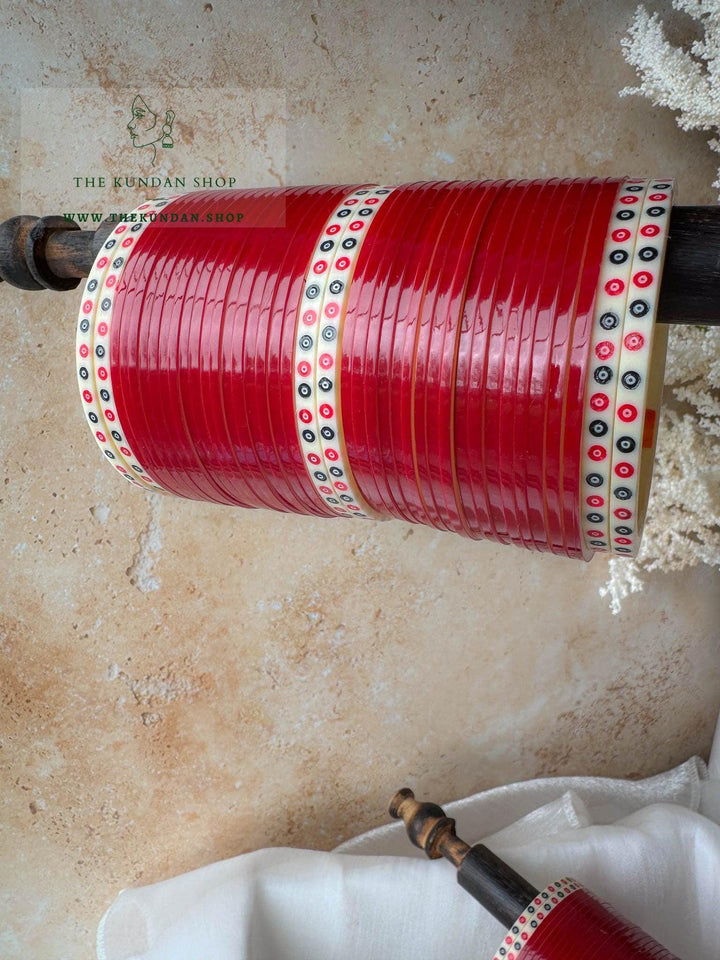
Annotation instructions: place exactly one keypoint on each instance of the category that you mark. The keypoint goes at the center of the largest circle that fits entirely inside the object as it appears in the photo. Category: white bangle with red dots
(640, 376)
(607, 331)
(317, 352)
(531, 919)
(93, 345)
(305, 366)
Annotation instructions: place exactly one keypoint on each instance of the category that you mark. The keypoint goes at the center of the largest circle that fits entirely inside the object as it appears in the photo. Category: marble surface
(181, 682)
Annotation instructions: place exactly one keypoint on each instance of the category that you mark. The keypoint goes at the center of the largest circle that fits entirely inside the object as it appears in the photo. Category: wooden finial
(428, 827)
(491, 881)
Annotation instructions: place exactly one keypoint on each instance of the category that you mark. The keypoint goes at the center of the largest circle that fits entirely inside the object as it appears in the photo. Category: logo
(147, 131)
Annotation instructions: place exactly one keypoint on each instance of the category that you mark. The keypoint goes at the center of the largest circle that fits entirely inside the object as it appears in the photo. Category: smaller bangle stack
(567, 922)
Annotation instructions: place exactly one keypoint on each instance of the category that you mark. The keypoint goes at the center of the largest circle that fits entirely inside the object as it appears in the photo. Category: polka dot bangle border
(612, 293)
(641, 367)
(330, 340)
(123, 240)
(307, 381)
(519, 935)
(93, 345)
(319, 335)
(86, 374)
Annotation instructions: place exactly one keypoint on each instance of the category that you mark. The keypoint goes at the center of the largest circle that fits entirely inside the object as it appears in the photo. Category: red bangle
(384, 337)
(539, 209)
(468, 377)
(573, 285)
(566, 921)
(576, 372)
(195, 409)
(493, 288)
(531, 432)
(131, 386)
(428, 361)
(163, 321)
(237, 363)
(433, 216)
(367, 359)
(451, 305)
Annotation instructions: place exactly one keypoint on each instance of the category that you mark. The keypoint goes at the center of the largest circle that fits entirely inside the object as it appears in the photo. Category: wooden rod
(689, 292)
(494, 884)
(487, 878)
(68, 253)
(690, 287)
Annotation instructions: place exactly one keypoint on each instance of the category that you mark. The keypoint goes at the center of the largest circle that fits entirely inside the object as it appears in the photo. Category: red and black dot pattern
(93, 345)
(613, 287)
(568, 923)
(319, 333)
(531, 919)
(640, 373)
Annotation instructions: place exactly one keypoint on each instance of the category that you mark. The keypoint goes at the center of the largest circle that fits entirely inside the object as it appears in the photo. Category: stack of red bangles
(476, 356)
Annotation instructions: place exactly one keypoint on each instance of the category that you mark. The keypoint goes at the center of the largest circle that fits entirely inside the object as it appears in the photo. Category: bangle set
(480, 357)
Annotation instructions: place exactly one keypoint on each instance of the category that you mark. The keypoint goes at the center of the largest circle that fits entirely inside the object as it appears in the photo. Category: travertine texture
(183, 682)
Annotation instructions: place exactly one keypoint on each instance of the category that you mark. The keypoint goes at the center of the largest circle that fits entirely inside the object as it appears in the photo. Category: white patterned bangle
(606, 340)
(84, 353)
(93, 344)
(317, 351)
(640, 379)
(531, 919)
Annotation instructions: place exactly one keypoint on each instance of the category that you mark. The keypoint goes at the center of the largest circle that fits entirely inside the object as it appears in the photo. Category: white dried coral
(683, 518)
(684, 80)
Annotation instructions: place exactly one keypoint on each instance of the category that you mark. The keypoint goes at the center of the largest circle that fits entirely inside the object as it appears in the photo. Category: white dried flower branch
(687, 81)
(683, 518)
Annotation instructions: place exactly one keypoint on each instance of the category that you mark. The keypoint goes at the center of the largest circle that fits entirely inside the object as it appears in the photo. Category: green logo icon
(146, 130)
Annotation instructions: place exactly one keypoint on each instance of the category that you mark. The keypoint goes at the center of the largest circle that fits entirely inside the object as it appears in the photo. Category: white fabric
(650, 847)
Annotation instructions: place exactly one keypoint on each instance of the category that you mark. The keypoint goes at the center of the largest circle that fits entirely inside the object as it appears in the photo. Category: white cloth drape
(649, 847)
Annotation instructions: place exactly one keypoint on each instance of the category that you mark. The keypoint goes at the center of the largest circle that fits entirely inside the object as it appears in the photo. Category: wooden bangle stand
(502, 891)
(574, 926)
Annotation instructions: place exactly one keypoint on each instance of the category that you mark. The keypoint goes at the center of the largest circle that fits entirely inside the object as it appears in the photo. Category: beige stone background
(183, 682)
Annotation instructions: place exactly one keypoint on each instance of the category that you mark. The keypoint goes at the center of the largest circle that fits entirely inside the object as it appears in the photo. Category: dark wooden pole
(52, 253)
(48, 253)
(494, 884)
(690, 288)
